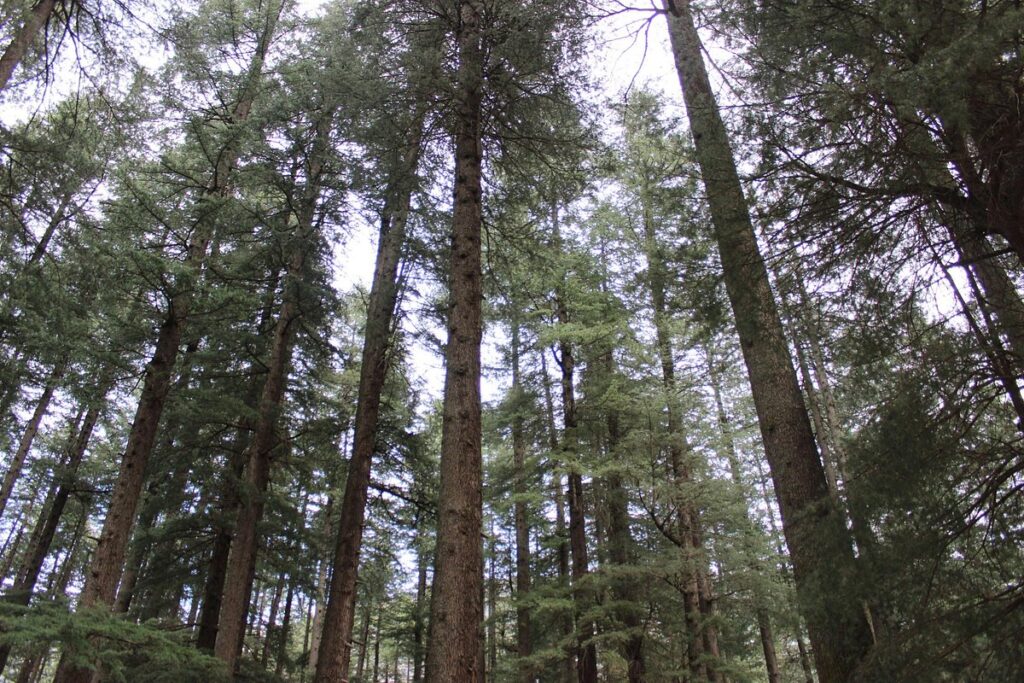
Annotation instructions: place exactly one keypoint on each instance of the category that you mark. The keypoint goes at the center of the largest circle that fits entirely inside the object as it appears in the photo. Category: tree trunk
(28, 573)
(419, 649)
(319, 599)
(523, 645)
(361, 662)
(28, 436)
(336, 641)
(23, 37)
(275, 605)
(108, 558)
(241, 565)
(282, 637)
(455, 609)
(621, 553)
(569, 669)
(701, 637)
(764, 624)
(819, 545)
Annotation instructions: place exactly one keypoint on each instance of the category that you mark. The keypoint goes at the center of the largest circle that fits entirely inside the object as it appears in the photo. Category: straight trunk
(361, 662)
(621, 553)
(108, 558)
(336, 641)
(241, 565)
(319, 599)
(520, 513)
(275, 605)
(701, 638)
(819, 545)
(764, 624)
(419, 626)
(28, 436)
(38, 16)
(455, 609)
(282, 637)
(569, 669)
(586, 649)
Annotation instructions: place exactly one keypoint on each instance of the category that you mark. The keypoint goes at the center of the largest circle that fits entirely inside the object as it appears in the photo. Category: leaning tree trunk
(241, 565)
(38, 16)
(456, 611)
(339, 616)
(28, 436)
(819, 544)
(42, 537)
(108, 558)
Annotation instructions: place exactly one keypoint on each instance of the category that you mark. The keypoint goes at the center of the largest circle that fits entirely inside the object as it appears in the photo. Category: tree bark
(701, 638)
(336, 641)
(569, 668)
(23, 37)
(108, 558)
(524, 646)
(819, 545)
(319, 599)
(28, 436)
(455, 609)
(621, 552)
(241, 565)
(764, 624)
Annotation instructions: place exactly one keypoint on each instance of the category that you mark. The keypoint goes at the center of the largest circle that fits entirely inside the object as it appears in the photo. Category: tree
(817, 541)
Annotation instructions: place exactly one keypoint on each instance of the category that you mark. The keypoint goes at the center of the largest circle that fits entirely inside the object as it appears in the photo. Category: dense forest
(396, 341)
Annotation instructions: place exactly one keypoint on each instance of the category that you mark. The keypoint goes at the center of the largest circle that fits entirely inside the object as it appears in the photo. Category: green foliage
(123, 650)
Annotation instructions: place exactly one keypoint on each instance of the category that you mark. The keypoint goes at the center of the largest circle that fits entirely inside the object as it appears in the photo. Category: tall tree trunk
(586, 649)
(282, 636)
(32, 563)
(819, 545)
(764, 624)
(275, 605)
(29, 435)
(336, 641)
(419, 649)
(108, 558)
(523, 645)
(241, 565)
(455, 609)
(702, 637)
(569, 668)
(361, 662)
(621, 553)
(23, 37)
(319, 600)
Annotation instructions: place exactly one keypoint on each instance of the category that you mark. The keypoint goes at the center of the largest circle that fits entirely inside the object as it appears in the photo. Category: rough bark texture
(108, 558)
(23, 37)
(241, 565)
(28, 436)
(339, 616)
(455, 610)
(818, 543)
